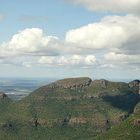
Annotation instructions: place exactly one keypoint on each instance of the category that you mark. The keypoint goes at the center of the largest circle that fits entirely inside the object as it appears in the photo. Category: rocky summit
(2, 95)
(72, 83)
(71, 109)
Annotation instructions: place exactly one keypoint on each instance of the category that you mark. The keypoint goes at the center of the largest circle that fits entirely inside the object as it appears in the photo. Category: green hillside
(69, 109)
(127, 130)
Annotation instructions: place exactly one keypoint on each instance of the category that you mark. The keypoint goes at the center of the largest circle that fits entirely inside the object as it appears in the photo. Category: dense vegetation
(71, 109)
(127, 130)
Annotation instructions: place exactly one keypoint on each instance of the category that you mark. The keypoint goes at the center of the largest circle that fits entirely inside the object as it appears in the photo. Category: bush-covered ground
(127, 130)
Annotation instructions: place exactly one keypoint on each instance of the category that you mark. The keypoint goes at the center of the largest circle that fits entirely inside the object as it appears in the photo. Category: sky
(70, 38)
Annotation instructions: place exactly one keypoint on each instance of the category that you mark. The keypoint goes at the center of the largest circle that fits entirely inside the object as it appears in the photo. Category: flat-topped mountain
(68, 109)
(72, 83)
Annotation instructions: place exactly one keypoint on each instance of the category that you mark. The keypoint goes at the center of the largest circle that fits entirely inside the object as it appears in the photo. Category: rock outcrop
(139, 89)
(34, 122)
(7, 126)
(72, 83)
(100, 83)
(134, 83)
(137, 122)
(2, 95)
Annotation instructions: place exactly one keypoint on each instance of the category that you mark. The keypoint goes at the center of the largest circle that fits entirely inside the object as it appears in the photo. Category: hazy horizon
(60, 78)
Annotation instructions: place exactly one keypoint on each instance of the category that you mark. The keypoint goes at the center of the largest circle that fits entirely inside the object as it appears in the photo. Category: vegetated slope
(127, 130)
(69, 109)
(5, 107)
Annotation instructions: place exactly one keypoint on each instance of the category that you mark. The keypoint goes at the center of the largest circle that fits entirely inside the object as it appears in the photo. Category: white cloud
(127, 6)
(121, 61)
(29, 41)
(27, 64)
(115, 33)
(74, 60)
(112, 32)
(34, 42)
(122, 58)
(107, 66)
(113, 39)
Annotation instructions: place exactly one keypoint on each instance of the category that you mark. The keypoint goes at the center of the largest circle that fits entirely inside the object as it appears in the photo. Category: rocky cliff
(2, 95)
(134, 83)
(72, 83)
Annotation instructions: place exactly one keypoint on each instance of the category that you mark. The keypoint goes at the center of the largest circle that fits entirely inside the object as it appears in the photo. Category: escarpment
(100, 83)
(2, 95)
(135, 86)
(134, 83)
(72, 83)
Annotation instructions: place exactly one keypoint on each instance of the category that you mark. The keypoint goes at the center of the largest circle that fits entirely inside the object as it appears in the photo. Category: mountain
(130, 128)
(68, 109)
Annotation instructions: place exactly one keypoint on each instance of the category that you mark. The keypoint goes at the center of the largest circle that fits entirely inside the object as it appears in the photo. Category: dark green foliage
(125, 102)
(127, 130)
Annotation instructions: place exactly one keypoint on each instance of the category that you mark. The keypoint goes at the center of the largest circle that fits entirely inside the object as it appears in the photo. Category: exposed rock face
(139, 88)
(134, 83)
(78, 120)
(7, 126)
(123, 117)
(101, 83)
(2, 95)
(72, 83)
(34, 122)
(137, 122)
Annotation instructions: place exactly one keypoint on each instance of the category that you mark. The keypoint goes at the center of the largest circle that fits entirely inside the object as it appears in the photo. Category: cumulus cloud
(120, 33)
(74, 60)
(126, 6)
(121, 61)
(34, 42)
(29, 41)
(115, 57)
(113, 39)
(122, 58)
(117, 37)
(107, 66)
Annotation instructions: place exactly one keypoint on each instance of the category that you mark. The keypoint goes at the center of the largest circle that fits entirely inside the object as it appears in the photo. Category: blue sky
(62, 38)
(60, 16)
